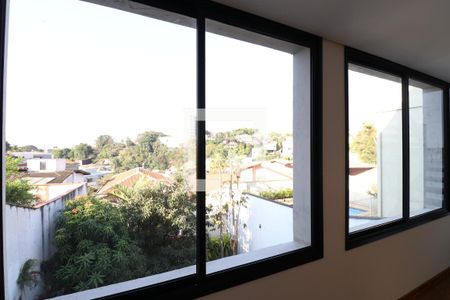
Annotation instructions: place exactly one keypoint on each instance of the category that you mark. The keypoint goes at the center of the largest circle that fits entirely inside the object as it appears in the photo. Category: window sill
(126, 286)
(251, 257)
(212, 267)
(362, 237)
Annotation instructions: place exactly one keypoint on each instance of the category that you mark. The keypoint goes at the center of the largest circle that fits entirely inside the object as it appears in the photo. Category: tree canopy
(18, 190)
(93, 247)
(103, 141)
(134, 232)
(365, 144)
(82, 151)
(161, 219)
(62, 153)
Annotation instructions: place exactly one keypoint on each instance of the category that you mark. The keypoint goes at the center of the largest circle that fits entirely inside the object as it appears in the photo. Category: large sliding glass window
(253, 153)
(375, 145)
(105, 105)
(146, 149)
(396, 154)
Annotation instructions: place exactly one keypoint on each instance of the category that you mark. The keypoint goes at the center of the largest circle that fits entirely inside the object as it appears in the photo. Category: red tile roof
(130, 177)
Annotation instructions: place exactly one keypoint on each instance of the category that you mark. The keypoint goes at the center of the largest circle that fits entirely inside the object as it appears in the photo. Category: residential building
(46, 164)
(287, 148)
(65, 176)
(130, 178)
(264, 175)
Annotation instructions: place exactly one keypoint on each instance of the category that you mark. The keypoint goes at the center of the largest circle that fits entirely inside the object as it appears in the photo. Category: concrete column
(302, 149)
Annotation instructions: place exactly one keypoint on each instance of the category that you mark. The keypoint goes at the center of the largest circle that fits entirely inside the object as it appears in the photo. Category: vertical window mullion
(446, 115)
(405, 147)
(201, 167)
(3, 14)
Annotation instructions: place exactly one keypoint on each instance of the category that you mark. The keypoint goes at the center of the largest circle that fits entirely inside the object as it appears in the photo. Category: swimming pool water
(354, 211)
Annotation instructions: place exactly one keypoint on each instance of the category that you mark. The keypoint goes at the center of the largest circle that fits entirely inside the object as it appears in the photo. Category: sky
(372, 99)
(76, 70)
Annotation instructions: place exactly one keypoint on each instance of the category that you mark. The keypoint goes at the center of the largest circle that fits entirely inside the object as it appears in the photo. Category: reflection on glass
(375, 145)
(249, 145)
(100, 132)
(426, 147)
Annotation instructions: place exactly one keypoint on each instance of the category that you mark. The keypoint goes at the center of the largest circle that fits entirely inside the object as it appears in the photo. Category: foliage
(109, 151)
(132, 233)
(225, 218)
(62, 153)
(82, 151)
(93, 247)
(26, 148)
(177, 157)
(162, 221)
(25, 277)
(102, 141)
(277, 194)
(12, 167)
(147, 152)
(218, 247)
(230, 142)
(18, 190)
(278, 139)
(148, 139)
(364, 144)
(29, 148)
(129, 142)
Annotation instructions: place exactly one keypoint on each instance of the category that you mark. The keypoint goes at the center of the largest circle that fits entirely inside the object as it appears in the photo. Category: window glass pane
(426, 147)
(253, 86)
(375, 147)
(100, 130)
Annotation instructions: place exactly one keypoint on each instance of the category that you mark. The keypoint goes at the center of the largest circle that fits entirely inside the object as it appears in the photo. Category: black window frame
(371, 234)
(202, 283)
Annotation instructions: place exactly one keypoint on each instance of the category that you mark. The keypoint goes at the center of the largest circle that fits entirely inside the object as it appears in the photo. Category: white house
(67, 176)
(287, 147)
(264, 223)
(46, 164)
(259, 176)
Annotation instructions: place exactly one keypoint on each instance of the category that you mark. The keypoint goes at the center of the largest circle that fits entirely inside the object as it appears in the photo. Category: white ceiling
(415, 33)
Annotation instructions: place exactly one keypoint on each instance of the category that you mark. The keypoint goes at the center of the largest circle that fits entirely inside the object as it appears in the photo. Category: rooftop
(52, 177)
(130, 177)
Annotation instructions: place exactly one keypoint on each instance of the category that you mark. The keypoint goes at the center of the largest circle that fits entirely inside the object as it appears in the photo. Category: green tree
(103, 141)
(82, 151)
(29, 148)
(365, 144)
(147, 140)
(241, 131)
(129, 142)
(93, 248)
(61, 153)
(18, 190)
(278, 139)
(177, 157)
(159, 158)
(161, 218)
(110, 151)
(147, 152)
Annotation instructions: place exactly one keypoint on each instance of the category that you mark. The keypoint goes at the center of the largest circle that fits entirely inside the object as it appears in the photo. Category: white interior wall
(385, 269)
